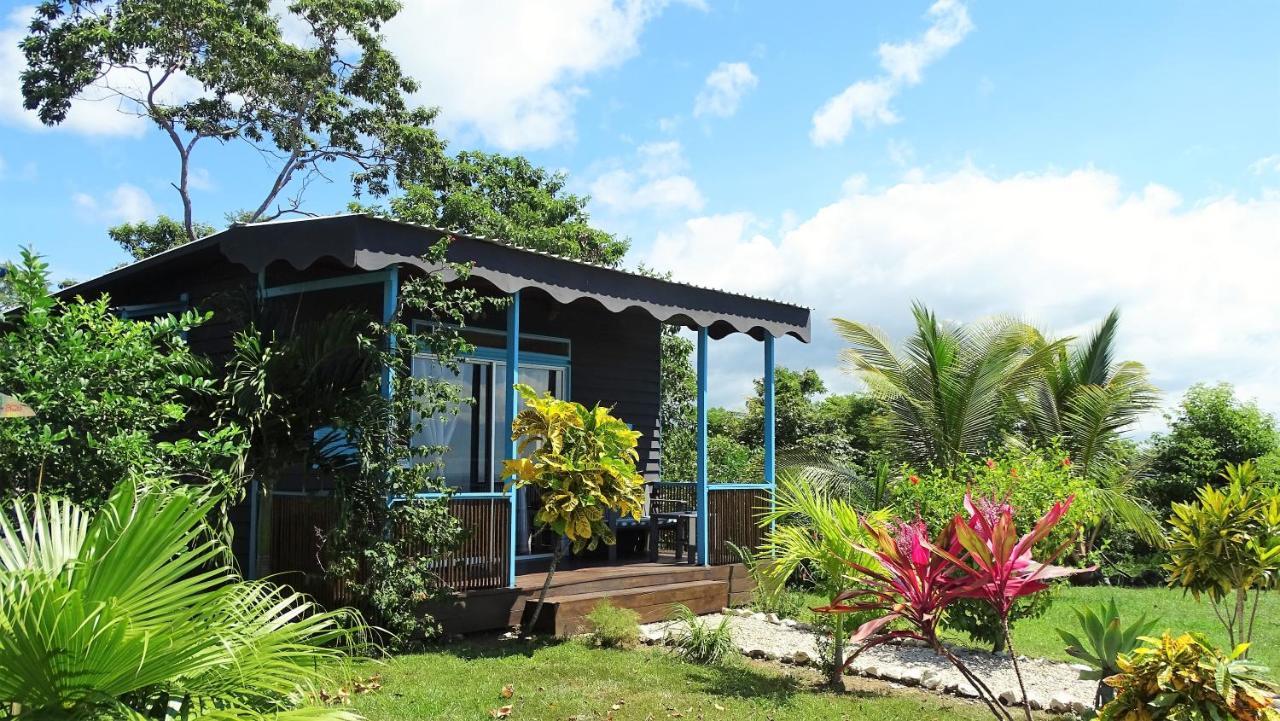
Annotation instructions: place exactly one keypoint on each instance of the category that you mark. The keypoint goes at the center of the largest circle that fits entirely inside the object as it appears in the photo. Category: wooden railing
(482, 561)
(734, 520)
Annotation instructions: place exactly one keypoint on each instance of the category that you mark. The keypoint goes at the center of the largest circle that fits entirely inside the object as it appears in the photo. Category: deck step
(565, 615)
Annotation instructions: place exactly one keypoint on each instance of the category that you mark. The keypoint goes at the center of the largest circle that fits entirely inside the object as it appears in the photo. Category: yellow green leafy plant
(582, 461)
(1185, 678)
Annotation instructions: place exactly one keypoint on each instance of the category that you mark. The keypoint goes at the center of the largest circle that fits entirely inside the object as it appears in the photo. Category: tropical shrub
(697, 640)
(811, 538)
(997, 563)
(1185, 677)
(131, 611)
(1105, 640)
(977, 620)
(583, 464)
(111, 395)
(1226, 545)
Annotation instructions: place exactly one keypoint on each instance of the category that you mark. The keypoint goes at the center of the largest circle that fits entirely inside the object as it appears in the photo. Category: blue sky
(1045, 160)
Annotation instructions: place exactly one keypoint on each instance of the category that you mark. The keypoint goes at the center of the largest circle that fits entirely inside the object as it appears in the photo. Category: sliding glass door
(475, 431)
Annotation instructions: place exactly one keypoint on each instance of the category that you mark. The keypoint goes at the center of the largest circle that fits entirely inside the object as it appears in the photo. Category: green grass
(1178, 613)
(572, 681)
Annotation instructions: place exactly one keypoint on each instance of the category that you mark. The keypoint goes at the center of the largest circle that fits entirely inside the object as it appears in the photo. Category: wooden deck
(648, 588)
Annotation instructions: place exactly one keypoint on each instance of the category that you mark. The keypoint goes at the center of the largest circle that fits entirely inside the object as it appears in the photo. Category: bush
(976, 619)
(1185, 677)
(697, 641)
(613, 627)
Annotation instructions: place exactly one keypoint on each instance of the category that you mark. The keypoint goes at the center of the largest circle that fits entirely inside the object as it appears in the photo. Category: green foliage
(1226, 545)
(111, 396)
(130, 612)
(144, 239)
(1184, 678)
(697, 640)
(1104, 642)
(613, 627)
(583, 464)
(977, 620)
(1210, 429)
(507, 197)
(1087, 399)
(312, 399)
(340, 96)
(947, 389)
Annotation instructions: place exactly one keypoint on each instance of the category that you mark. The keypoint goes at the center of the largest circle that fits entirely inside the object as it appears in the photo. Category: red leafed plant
(913, 586)
(919, 577)
(996, 563)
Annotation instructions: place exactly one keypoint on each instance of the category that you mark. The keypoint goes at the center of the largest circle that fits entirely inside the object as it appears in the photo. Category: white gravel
(1050, 685)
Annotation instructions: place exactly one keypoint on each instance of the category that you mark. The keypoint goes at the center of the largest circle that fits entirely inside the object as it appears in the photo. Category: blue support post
(770, 417)
(390, 300)
(703, 507)
(513, 377)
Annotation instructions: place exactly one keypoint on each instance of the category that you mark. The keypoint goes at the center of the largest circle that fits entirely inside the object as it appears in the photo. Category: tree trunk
(1017, 671)
(546, 585)
(262, 552)
(835, 672)
(1237, 621)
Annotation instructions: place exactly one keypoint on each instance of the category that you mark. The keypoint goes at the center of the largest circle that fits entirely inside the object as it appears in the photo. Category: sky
(1049, 161)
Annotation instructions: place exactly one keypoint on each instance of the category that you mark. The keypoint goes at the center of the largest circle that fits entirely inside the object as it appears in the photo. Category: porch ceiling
(370, 243)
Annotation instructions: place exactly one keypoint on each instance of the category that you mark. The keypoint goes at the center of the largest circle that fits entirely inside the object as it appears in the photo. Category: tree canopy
(225, 71)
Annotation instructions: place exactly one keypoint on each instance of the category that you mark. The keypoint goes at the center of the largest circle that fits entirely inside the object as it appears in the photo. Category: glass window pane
(462, 431)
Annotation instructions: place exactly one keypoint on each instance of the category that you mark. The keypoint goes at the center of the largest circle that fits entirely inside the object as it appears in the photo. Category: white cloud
(1194, 282)
(126, 203)
(723, 90)
(511, 71)
(901, 152)
(200, 179)
(867, 101)
(657, 183)
(1268, 164)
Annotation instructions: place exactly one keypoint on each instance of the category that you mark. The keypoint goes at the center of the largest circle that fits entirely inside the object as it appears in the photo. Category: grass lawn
(570, 681)
(1178, 613)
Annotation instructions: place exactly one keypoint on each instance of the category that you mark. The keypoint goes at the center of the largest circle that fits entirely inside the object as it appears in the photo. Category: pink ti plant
(995, 564)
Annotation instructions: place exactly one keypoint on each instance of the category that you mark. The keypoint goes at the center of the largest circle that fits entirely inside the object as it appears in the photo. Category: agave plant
(131, 612)
(997, 563)
(1105, 641)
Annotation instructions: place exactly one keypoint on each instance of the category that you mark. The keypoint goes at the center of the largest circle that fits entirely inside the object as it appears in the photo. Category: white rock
(1036, 701)
(773, 618)
(726, 611)
(1081, 667)
(1010, 697)
(911, 676)
(1060, 702)
(789, 623)
(800, 658)
(871, 670)
(759, 617)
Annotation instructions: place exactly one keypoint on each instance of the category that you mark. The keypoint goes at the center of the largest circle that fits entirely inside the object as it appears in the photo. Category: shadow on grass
(492, 647)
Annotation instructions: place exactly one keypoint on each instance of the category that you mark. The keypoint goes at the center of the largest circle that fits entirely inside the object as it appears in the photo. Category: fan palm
(131, 612)
(947, 388)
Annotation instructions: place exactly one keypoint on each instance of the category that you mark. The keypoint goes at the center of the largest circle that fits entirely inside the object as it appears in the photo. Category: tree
(144, 239)
(223, 71)
(131, 611)
(508, 198)
(1210, 429)
(114, 398)
(583, 463)
(1088, 399)
(947, 391)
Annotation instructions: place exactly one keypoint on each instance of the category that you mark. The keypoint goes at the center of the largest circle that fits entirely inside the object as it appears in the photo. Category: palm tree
(947, 388)
(1087, 398)
(1086, 401)
(132, 612)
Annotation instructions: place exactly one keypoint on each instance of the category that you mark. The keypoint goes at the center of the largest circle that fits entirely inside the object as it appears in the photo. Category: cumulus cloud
(1194, 281)
(124, 204)
(724, 89)
(658, 182)
(868, 101)
(1268, 164)
(512, 71)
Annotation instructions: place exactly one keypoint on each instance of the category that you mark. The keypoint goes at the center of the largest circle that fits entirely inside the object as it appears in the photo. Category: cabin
(582, 331)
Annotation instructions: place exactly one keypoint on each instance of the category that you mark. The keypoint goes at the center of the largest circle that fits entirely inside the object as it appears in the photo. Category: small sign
(11, 407)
